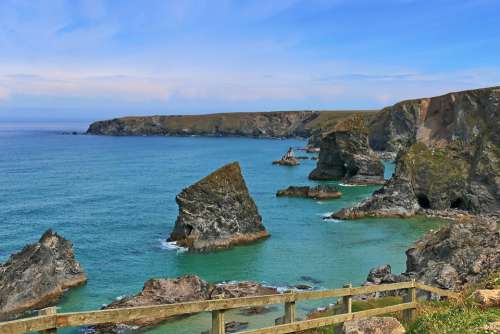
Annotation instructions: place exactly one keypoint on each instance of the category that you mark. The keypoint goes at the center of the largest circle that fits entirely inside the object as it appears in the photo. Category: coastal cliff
(280, 124)
(449, 155)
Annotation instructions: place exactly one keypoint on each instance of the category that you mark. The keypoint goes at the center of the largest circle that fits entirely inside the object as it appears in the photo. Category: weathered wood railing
(48, 320)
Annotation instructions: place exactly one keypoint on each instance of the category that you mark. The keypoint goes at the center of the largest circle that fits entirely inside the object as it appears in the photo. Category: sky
(84, 60)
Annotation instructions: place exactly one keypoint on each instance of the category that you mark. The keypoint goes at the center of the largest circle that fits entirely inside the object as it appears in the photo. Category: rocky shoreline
(320, 192)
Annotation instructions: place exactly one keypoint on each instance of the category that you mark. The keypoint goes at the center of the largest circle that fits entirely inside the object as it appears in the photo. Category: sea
(114, 198)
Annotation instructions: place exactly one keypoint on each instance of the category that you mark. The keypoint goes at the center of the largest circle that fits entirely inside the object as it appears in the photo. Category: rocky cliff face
(217, 212)
(37, 276)
(179, 290)
(449, 155)
(458, 255)
(320, 192)
(346, 155)
(285, 124)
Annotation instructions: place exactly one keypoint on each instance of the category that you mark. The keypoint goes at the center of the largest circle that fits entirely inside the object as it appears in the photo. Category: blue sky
(98, 59)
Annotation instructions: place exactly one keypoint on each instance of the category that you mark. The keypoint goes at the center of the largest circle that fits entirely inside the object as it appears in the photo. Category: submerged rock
(37, 276)
(373, 325)
(217, 212)
(179, 290)
(456, 256)
(320, 192)
(345, 155)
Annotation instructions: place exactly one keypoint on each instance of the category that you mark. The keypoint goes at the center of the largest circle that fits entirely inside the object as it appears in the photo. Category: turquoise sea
(114, 198)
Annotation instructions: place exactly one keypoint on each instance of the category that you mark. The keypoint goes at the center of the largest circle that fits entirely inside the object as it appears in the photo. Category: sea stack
(37, 276)
(217, 212)
(346, 155)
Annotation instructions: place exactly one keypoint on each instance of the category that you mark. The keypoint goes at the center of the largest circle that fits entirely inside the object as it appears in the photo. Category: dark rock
(232, 327)
(345, 155)
(456, 256)
(287, 162)
(311, 279)
(217, 212)
(37, 276)
(302, 287)
(320, 192)
(382, 275)
(255, 310)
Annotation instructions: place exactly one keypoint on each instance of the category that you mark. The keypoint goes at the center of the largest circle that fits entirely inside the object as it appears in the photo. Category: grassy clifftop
(280, 124)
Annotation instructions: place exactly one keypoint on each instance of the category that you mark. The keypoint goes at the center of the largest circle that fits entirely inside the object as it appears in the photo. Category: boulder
(179, 290)
(487, 298)
(492, 327)
(373, 325)
(232, 327)
(38, 275)
(345, 155)
(217, 212)
(457, 255)
(287, 162)
(320, 192)
(382, 275)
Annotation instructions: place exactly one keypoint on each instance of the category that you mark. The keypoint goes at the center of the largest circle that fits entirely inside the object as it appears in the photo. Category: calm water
(114, 198)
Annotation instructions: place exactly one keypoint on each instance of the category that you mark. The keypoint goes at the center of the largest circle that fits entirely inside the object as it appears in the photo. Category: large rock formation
(373, 325)
(217, 212)
(457, 255)
(449, 155)
(179, 290)
(346, 155)
(320, 192)
(283, 124)
(37, 276)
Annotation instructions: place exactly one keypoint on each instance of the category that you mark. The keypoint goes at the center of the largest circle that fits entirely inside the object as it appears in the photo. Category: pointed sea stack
(37, 276)
(217, 212)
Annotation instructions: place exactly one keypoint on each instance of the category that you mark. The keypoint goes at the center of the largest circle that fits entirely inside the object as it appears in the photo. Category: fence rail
(49, 320)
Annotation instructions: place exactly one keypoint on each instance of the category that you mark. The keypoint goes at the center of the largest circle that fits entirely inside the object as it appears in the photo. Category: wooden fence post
(48, 311)
(411, 296)
(218, 322)
(289, 312)
(347, 300)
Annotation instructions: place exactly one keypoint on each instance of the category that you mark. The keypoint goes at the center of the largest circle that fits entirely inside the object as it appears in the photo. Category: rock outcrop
(281, 124)
(449, 155)
(345, 155)
(456, 256)
(320, 192)
(287, 162)
(179, 290)
(37, 276)
(217, 212)
(487, 298)
(373, 325)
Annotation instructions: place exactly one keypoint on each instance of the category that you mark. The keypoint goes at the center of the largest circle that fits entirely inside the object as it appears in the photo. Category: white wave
(319, 202)
(352, 185)
(172, 245)
(325, 215)
(333, 220)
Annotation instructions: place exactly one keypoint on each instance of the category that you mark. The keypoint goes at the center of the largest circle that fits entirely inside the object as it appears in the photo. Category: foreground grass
(462, 316)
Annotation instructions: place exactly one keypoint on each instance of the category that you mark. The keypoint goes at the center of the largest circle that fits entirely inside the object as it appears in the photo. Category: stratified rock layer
(457, 255)
(217, 212)
(37, 276)
(320, 192)
(346, 155)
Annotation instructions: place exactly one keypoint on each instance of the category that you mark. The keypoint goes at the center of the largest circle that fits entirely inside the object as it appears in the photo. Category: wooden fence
(48, 320)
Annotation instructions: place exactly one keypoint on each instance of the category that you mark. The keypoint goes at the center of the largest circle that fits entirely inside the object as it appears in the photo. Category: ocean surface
(114, 197)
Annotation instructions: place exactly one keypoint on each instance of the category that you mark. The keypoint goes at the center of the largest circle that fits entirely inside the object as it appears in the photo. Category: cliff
(345, 155)
(449, 155)
(38, 275)
(283, 124)
(217, 212)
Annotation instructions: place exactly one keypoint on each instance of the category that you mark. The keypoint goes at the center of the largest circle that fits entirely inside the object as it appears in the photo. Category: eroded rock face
(37, 276)
(320, 192)
(457, 255)
(346, 155)
(217, 212)
(373, 325)
(287, 162)
(179, 290)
